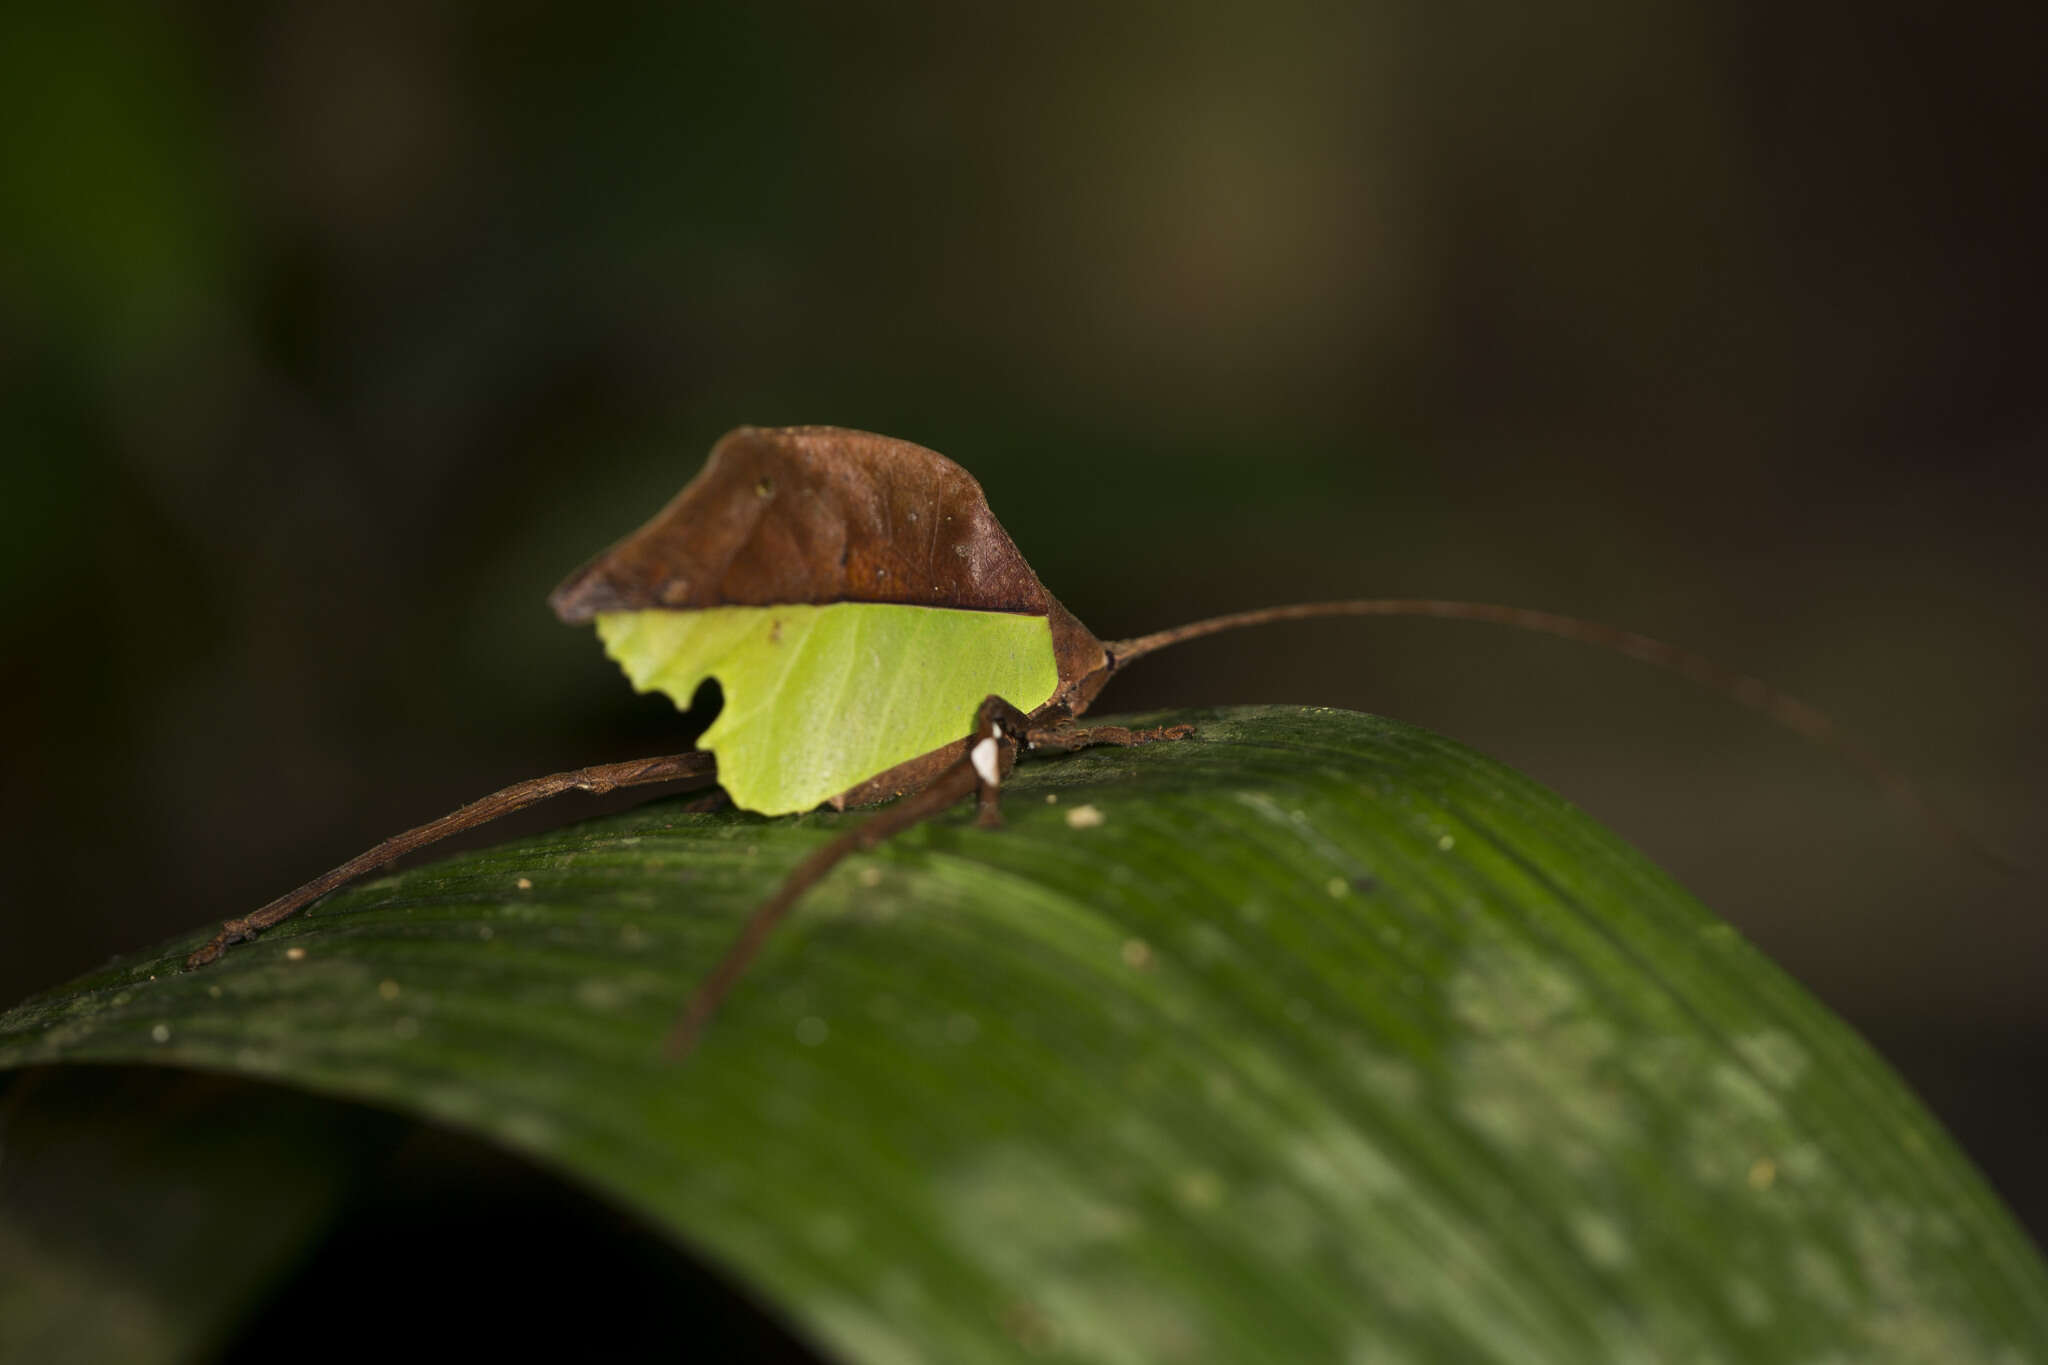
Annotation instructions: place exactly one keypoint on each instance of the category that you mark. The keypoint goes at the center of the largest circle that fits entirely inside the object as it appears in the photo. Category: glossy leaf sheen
(821, 698)
(1314, 1038)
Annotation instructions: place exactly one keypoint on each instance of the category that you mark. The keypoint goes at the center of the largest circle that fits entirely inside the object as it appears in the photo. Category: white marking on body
(984, 759)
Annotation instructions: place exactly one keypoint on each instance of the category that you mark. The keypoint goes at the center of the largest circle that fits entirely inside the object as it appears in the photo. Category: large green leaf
(1314, 1038)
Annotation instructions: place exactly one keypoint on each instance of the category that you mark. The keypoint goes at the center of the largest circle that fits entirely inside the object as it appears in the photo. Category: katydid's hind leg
(695, 766)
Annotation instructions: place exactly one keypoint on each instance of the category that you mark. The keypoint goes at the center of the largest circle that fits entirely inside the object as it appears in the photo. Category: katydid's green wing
(856, 600)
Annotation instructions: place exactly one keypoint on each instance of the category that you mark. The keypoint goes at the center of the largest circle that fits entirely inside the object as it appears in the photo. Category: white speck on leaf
(1753, 1307)
(598, 993)
(1602, 1239)
(1207, 943)
(161, 1033)
(1084, 817)
(1774, 1056)
(1199, 1189)
(831, 1233)
(529, 1130)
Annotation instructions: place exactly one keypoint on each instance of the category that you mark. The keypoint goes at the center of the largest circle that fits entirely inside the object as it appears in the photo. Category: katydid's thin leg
(1002, 725)
(999, 729)
(988, 805)
(602, 777)
(1067, 736)
(949, 787)
(990, 755)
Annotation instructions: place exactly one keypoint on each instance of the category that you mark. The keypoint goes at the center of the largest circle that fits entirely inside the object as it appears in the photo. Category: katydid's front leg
(999, 728)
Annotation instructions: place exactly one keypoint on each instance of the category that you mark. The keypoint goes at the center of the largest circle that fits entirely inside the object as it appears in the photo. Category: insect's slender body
(787, 528)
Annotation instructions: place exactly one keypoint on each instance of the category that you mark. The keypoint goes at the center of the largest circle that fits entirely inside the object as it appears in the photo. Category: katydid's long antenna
(602, 777)
(1787, 710)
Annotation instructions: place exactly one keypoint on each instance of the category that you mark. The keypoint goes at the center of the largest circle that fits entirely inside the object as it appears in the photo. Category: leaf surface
(820, 698)
(1314, 1038)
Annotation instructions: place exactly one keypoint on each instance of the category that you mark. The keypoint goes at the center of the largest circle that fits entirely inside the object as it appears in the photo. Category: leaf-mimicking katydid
(878, 636)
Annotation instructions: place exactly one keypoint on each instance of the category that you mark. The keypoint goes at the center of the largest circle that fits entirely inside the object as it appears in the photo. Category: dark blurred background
(335, 333)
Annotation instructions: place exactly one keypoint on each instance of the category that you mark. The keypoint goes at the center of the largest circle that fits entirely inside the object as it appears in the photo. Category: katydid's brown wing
(856, 599)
